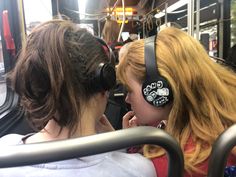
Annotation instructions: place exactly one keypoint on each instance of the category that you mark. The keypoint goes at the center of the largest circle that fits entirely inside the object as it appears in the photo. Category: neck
(52, 131)
(85, 127)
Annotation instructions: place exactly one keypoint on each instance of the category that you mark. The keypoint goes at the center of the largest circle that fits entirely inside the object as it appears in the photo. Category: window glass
(208, 38)
(233, 25)
(89, 27)
(2, 78)
(125, 36)
(36, 12)
(82, 6)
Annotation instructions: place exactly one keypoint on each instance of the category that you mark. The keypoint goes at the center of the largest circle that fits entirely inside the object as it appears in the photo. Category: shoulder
(135, 164)
(11, 139)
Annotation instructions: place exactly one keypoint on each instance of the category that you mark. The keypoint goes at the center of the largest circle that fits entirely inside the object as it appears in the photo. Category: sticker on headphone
(156, 94)
(160, 101)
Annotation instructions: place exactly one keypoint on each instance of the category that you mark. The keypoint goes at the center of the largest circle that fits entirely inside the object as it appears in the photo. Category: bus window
(125, 36)
(36, 12)
(82, 8)
(233, 25)
(89, 27)
(2, 78)
(208, 38)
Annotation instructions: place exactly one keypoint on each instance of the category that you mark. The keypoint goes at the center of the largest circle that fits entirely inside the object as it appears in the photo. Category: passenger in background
(63, 77)
(110, 32)
(200, 103)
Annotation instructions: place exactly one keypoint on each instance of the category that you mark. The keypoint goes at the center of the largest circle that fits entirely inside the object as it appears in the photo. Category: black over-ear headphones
(156, 89)
(105, 74)
(108, 50)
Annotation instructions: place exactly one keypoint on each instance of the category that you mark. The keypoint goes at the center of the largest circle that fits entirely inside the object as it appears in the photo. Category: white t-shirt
(110, 164)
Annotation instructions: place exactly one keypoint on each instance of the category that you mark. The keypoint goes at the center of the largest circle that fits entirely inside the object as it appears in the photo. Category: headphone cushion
(105, 77)
(108, 78)
(157, 92)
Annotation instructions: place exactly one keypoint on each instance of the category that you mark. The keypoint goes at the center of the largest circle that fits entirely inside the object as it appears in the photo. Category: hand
(103, 125)
(130, 120)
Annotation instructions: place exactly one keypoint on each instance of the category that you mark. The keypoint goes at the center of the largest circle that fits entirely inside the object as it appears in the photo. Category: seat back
(220, 151)
(66, 149)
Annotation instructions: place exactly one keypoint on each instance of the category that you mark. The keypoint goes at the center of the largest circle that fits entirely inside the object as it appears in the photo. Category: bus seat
(29, 154)
(14, 122)
(220, 151)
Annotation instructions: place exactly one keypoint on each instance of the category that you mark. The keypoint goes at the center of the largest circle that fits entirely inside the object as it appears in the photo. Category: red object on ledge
(10, 44)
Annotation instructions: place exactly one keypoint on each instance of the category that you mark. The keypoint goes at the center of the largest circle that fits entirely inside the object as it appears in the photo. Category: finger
(125, 122)
(133, 122)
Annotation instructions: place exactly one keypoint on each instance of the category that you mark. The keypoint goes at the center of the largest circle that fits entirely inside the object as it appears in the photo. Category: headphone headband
(150, 53)
(108, 50)
(155, 89)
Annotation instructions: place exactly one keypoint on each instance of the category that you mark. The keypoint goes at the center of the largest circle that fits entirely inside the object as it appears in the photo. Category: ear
(105, 93)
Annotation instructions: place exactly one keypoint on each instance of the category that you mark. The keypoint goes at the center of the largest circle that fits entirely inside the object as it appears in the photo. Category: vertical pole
(22, 21)
(99, 28)
(190, 17)
(221, 30)
(166, 20)
(227, 28)
(144, 32)
(197, 19)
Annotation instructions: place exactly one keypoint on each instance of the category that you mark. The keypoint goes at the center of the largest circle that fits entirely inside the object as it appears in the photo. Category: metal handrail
(220, 151)
(29, 154)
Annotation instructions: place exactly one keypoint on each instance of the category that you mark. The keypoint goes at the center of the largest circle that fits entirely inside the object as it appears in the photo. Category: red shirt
(161, 164)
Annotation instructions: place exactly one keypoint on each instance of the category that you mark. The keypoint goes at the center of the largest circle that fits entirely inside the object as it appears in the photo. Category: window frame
(11, 99)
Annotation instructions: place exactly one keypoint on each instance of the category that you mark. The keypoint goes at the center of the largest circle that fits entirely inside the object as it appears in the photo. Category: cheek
(143, 110)
(148, 114)
(136, 100)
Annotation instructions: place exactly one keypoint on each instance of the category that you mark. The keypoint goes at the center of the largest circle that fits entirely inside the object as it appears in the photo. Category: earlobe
(105, 93)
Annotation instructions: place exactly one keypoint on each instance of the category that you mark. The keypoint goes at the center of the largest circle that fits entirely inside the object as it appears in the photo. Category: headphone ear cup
(105, 77)
(157, 92)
